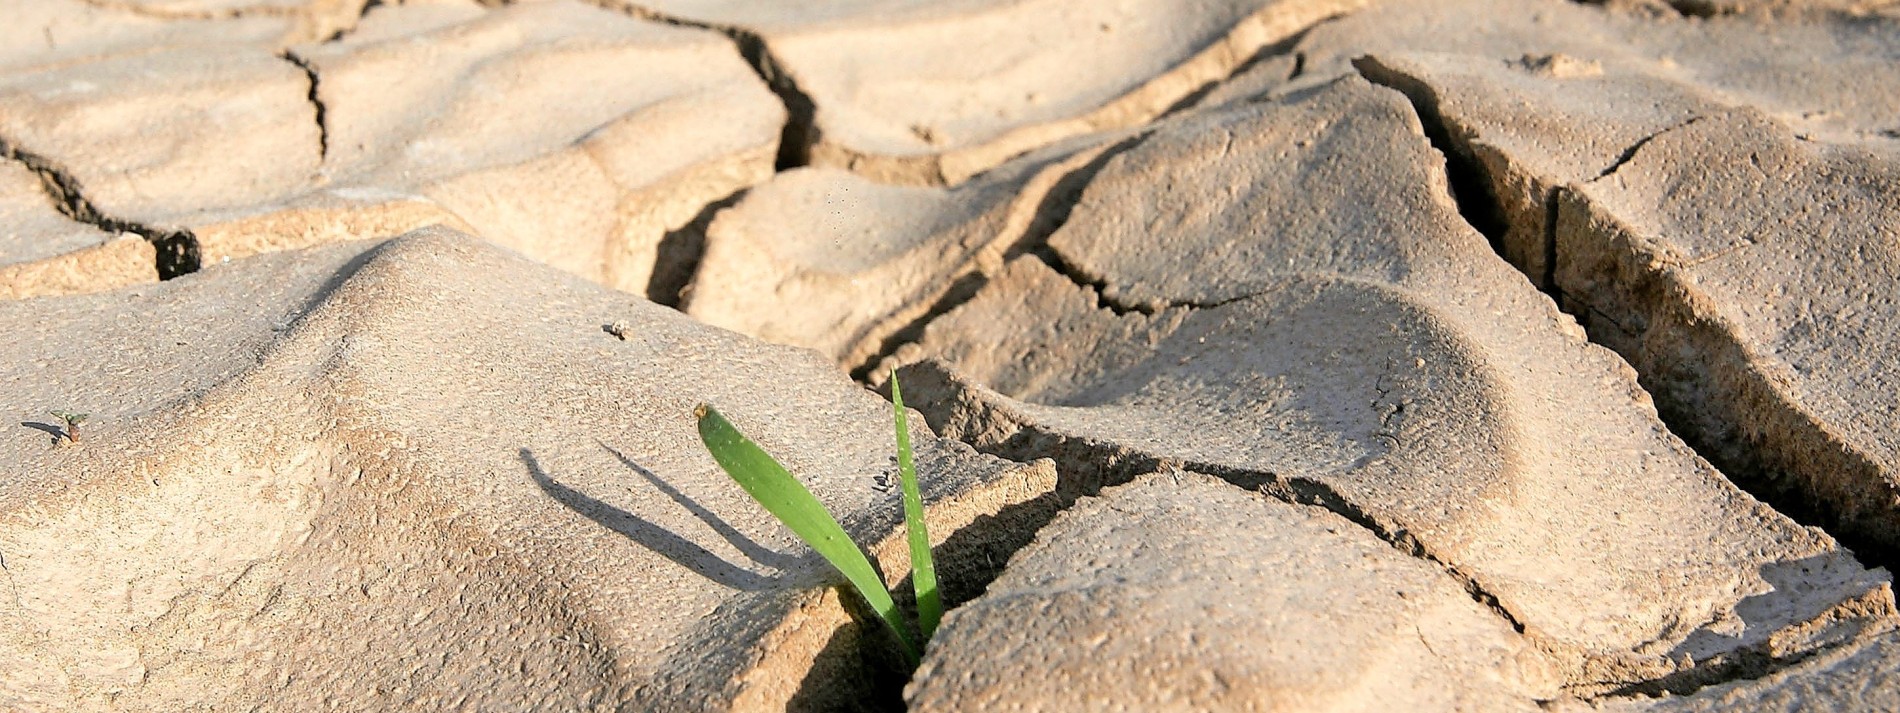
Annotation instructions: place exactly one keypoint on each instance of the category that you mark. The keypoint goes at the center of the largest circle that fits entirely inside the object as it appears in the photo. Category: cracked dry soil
(1273, 354)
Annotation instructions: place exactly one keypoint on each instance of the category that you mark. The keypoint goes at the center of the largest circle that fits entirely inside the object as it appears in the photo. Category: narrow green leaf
(768, 482)
(923, 571)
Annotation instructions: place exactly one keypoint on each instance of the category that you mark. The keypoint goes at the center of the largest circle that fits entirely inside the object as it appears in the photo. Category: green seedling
(923, 577)
(72, 423)
(781, 494)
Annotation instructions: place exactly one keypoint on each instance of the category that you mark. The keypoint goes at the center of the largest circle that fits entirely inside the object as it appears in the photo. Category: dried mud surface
(1270, 354)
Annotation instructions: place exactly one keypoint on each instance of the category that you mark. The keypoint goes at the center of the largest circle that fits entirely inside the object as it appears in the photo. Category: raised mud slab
(1183, 606)
(383, 484)
(1270, 354)
(1376, 358)
(957, 87)
(570, 133)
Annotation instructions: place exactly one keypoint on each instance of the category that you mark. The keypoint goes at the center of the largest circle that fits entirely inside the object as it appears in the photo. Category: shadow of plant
(665, 542)
(55, 431)
(853, 671)
(752, 550)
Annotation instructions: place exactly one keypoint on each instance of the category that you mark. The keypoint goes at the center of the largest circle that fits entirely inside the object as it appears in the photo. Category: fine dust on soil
(1272, 354)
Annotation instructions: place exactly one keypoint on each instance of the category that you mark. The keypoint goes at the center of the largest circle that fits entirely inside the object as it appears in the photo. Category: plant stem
(769, 483)
(923, 571)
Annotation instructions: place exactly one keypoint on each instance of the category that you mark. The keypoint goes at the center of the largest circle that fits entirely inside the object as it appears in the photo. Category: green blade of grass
(772, 486)
(923, 572)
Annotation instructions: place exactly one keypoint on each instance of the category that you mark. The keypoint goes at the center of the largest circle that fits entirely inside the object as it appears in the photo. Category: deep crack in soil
(316, 101)
(177, 248)
(1051, 213)
(1470, 187)
(801, 129)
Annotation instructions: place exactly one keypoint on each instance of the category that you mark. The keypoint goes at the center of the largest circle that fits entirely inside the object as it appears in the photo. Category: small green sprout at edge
(923, 577)
(762, 477)
(72, 423)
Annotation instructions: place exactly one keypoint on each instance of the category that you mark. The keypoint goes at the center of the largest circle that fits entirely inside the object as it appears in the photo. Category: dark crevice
(343, 32)
(1108, 297)
(1038, 246)
(316, 100)
(1301, 491)
(1051, 213)
(1692, 9)
(1736, 666)
(801, 127)
(676, 261)
(1271, 51)
(1698, 9)
(1097, 285)
(1630, 153)
(857, 671)
(1706, 392)
(1053, 210)
(1470, 190)
(970, 559)
(1681, 408)
(177, 248)
(1085, 467)
(961, 290)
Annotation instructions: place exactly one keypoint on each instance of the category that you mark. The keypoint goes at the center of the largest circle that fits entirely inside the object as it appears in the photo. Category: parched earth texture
(1290, 355)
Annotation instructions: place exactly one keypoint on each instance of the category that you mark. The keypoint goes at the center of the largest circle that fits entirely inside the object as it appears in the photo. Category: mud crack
(1635, 148)
(177, 249)
(962, 290)
(1698, 9)
(1470, 187)
(1109, 297)
(1052, 211)
(1303, 491)
(801, 127)
(1470, 181)
(1055, 207)
(316, 100)
(1052, 215)
(680, 253)
(1283, 47)
(1086, 466)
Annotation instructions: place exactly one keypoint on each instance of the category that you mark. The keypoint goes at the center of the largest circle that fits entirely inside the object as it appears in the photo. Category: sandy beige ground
(1456, 355)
